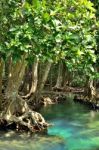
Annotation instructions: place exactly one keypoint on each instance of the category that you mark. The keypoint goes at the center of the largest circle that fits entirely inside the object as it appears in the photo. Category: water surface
(75, 128)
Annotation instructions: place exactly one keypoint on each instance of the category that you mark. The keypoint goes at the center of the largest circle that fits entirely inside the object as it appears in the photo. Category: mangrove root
(23, 118)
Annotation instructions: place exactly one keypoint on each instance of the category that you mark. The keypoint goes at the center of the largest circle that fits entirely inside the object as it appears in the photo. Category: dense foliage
(49, 30)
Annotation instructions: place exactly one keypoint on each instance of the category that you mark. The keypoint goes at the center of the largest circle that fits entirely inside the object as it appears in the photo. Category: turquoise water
(75, 128)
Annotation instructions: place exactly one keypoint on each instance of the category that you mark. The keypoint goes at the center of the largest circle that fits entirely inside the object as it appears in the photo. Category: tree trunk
(44, 76)
(6, 71)
(60, 77)
(16, 110)
(34, 78)
(41, 83)
(67, 77)
(26, 82)
(16, 73)
(90, 90)
(1, 79)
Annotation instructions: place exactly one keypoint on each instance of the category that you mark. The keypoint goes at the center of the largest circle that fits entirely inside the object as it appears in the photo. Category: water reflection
(18, 141)
(76, 124)
(75, 128)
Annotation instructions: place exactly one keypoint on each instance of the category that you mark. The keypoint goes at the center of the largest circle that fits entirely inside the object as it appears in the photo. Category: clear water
(75, 128)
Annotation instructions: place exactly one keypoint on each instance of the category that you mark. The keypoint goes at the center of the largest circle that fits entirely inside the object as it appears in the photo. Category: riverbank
(48, 98)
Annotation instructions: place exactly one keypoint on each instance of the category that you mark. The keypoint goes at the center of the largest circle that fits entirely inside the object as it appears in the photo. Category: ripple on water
(75, 128)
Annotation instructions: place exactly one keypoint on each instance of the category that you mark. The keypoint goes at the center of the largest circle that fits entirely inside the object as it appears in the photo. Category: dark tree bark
(90, 89)
(1, 81)
(60, 76)
(41, 83)
(34, 79)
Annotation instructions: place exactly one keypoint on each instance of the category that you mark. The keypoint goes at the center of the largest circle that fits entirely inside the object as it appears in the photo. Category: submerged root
(33, 121)
(23, 118)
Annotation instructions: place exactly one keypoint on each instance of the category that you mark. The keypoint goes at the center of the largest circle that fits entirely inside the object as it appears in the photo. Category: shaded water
(75, 128)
